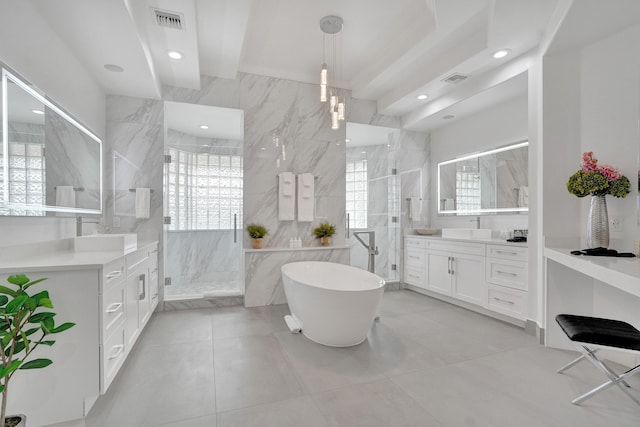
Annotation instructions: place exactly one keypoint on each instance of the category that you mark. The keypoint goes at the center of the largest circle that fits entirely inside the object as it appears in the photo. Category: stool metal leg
(614, 379)
(571, 364)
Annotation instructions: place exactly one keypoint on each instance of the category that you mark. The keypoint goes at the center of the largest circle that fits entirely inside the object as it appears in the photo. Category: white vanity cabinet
(456, 269)
(112, 322)
(415, 271)
(490, 276)
(141, 291)
(507, 280)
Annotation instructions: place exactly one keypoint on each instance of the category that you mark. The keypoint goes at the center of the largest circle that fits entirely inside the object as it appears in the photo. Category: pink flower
(609, 172)
(589, 164)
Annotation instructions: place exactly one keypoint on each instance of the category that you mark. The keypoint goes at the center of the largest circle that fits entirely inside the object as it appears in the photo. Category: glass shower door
(203, 187)
(373, 200)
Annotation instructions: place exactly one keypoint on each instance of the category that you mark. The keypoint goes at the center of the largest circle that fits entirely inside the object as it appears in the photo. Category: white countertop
(492, 241)
(621, 273)
(58, 260)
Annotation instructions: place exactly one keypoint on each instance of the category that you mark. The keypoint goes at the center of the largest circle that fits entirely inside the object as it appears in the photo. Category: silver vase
(598, 223)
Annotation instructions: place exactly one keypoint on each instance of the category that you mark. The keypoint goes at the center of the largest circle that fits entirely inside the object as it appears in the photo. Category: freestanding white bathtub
(333, 304)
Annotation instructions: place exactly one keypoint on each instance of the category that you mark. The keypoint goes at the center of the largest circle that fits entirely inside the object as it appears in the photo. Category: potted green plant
(23, 327)
(324, 231)
(256, 232)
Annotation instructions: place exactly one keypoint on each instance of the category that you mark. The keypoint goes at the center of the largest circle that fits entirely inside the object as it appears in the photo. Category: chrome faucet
(372, 249)
(80, 221)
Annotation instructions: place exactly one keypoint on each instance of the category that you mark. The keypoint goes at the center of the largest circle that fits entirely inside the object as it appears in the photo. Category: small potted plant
(23, 327)
(256, 232)
(324, 232)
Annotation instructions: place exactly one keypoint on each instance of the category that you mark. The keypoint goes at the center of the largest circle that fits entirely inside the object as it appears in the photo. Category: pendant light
(331, 25)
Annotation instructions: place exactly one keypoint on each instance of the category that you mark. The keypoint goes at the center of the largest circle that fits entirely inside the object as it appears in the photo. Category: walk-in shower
(203, 191)
(373, 199)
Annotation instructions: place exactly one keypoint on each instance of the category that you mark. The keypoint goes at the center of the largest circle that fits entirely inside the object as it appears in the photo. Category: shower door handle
(235, 228)
(348, 226)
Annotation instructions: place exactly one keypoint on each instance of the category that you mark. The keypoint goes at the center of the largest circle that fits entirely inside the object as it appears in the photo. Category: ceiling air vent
(455, 78)
(169, 19)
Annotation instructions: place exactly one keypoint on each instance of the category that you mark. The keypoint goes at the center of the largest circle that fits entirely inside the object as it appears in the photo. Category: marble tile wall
(71, 159)
(413, 159)
(272, 108)
(133, 157)
(263, 278)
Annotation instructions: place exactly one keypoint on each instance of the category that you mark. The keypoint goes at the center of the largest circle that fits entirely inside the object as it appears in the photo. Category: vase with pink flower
(598, 181)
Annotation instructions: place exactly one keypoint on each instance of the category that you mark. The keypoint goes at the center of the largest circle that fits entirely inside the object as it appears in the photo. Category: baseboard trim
(468, 306)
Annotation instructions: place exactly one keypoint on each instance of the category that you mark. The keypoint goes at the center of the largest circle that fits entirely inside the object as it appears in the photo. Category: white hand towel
(286, 201)
(143, 202)
(65, 196)
(523, 197)
(305, 197)
(415, 208)
(307, 185)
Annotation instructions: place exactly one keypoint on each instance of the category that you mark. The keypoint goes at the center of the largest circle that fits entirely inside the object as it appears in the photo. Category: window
(467, 190)
(27, 177)
(204, 190)
(356, 197)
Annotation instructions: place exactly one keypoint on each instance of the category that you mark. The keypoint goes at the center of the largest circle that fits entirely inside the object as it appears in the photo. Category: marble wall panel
(134, 158)
(71, 159)
(263, 278)
(213, 91)
(202, 256)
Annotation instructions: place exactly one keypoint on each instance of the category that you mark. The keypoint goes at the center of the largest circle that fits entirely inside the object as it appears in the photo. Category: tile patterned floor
(426, 363)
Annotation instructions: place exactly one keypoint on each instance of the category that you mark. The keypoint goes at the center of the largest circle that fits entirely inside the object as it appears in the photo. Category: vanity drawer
(462, 248)
(112, 274)
(112, 309)
(415, 258)
(507, 273)
(510, 302)
(415, 243)
(415, 276)
(515, 253)
(112, 355)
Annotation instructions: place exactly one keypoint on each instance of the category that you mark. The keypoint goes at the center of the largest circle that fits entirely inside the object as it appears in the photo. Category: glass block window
(467, 190)
(204, 190)
(356, 197)
(27, 177)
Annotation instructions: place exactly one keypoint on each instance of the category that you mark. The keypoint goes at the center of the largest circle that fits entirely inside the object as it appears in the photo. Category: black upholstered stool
(591, 334)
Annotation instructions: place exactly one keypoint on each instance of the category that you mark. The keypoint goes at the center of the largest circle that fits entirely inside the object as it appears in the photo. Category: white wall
(610, 110)
(501, 125)
(32, 49)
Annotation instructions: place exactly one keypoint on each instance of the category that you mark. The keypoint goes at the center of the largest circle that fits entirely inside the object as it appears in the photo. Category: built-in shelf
(306, 248)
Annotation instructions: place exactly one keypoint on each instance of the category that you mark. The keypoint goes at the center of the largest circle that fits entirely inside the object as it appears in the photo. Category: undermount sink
(126, 243)
(467, 233)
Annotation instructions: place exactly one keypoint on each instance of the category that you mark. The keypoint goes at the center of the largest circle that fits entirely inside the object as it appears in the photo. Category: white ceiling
(391, 50)
(223, 123)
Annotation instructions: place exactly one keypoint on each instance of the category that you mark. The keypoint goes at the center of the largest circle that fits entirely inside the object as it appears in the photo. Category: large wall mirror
(49, 162)
(486, 183)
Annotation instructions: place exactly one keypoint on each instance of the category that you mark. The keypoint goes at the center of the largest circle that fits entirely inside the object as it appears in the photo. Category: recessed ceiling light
(262, 148)
(37, 111)
(501, 53)
(204, 127)
(114, 68)
(422, 96)
(174, 54)
(448, 117)
(363, 152)
(347, 140)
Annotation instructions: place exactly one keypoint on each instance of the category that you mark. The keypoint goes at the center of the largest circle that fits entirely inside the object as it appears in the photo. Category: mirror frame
(4, 197)
(481, 211)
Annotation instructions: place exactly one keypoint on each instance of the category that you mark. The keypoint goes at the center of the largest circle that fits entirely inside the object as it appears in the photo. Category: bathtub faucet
(372, 249)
